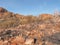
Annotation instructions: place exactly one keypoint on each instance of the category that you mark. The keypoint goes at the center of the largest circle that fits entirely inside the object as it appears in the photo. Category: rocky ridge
(17, 29)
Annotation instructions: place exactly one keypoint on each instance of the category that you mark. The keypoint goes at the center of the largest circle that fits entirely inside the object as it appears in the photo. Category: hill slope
(17, 29)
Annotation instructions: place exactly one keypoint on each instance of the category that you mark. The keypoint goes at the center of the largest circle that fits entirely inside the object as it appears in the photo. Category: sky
(31, 7)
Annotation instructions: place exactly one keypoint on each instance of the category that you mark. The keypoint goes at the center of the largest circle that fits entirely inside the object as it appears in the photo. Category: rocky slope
(18, 29)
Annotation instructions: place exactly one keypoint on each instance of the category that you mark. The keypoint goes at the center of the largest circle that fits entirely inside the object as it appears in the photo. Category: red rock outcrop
(18, 29)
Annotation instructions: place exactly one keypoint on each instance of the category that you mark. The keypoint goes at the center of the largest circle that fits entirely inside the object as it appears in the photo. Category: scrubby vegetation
(9, 19)
(17, 29)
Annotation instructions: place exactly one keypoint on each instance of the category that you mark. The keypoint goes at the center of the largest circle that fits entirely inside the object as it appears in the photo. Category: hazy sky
(34, 7)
